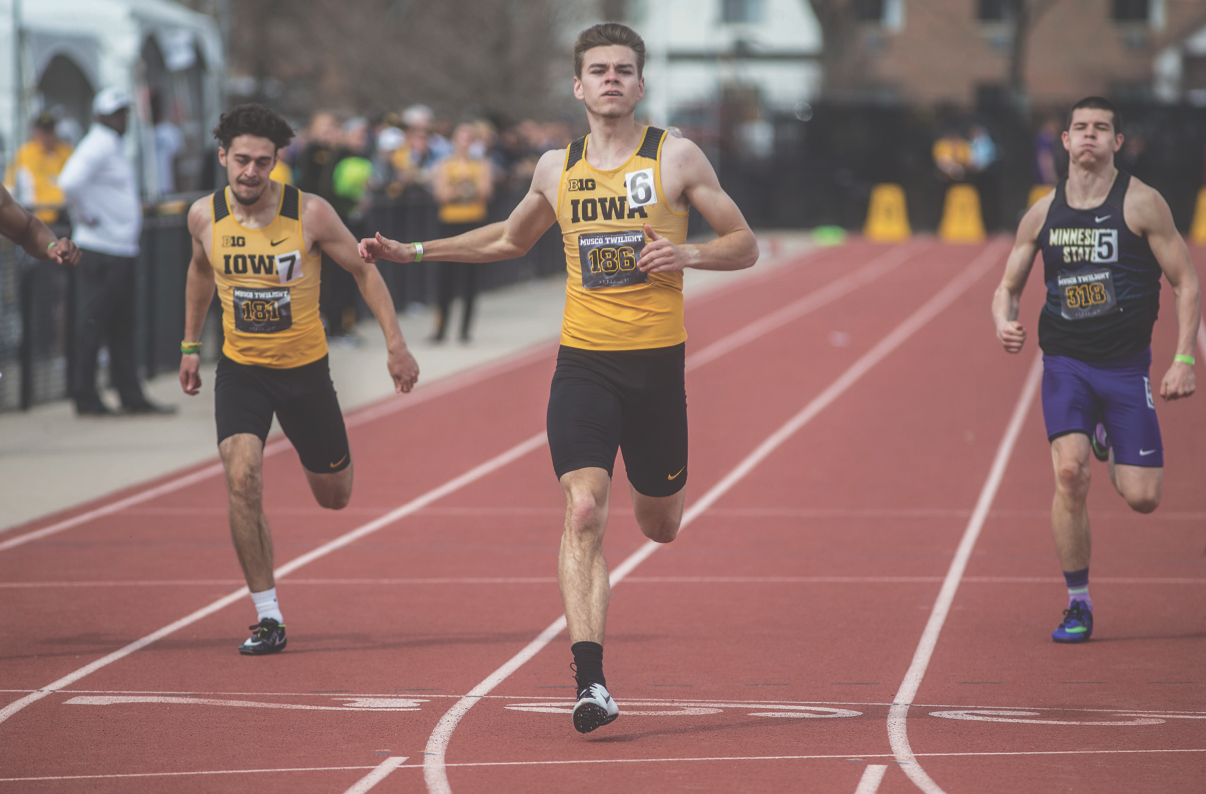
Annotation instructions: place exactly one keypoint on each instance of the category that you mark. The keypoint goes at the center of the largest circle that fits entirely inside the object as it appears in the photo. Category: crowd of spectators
(449, 179)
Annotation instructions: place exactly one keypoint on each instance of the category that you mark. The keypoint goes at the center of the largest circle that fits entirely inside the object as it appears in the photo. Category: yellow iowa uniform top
(609, 303)
(463, 176)
(268, 286)
(33, 177)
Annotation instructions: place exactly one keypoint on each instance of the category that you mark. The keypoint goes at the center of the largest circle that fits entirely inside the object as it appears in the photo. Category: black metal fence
(38, 307)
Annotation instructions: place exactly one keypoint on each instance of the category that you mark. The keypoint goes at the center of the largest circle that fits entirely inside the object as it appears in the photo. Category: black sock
(588, 663)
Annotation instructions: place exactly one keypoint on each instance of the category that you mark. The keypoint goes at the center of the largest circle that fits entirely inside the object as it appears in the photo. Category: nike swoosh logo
(1146, 452)
(672, 476)
(278, 242)
(341, 460)
(1102, 218)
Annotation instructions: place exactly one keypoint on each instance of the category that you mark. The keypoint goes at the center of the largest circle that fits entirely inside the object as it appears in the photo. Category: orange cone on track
(887, 218)
(1037, 192)
(1197, 231)
(961, 219)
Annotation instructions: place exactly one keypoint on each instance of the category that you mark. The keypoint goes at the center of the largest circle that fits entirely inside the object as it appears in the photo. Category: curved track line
(417, 504)
(434, 765)
(898, 734)
(360, 416)
(497, 462)
(384, 407)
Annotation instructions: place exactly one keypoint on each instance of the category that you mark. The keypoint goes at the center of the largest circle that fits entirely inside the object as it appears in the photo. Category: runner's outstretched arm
(26, 230)
(1007, 299)
(328, 231)
(503, 240)
(198, 294)
(687, 172)
(1154, 219)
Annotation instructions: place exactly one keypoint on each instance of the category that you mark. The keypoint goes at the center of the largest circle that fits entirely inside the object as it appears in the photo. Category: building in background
(70, 49)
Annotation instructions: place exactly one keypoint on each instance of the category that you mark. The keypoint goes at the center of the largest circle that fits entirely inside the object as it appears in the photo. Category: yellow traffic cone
(1037, 192)
(961, 219)
(1197, 232)
(887, 218)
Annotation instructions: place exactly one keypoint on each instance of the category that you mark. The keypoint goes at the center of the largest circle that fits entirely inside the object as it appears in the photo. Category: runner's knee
(1072, 478)
(1144, 500)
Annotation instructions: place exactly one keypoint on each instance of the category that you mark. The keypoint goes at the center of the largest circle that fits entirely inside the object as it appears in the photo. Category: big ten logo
(234, 241)
(581, 184)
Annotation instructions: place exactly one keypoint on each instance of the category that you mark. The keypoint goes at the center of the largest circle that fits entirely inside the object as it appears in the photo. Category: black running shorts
(631, 400)
(303, 399)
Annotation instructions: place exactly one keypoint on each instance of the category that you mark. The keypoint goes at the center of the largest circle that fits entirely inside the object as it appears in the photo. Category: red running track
(861, 600)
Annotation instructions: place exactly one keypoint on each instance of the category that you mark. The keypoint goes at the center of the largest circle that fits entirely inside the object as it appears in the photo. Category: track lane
(287, 488)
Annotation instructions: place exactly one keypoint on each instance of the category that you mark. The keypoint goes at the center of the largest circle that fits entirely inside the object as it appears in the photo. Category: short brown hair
(1097, 103)
(609, 34)
(255, 119)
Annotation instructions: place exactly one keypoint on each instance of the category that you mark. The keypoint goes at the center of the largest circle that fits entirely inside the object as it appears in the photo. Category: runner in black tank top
(1103, 281)
(1105, 238)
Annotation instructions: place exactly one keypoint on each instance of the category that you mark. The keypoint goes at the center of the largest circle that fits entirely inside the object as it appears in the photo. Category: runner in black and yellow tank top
(259, 243)
(621, 196)
(1105, 240)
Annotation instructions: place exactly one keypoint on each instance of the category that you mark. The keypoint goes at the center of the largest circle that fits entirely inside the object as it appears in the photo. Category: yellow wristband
(1184, 359)
(418, 251)
(190, 348)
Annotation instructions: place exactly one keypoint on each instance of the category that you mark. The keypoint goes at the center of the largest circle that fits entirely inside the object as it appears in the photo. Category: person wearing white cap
(102, 195)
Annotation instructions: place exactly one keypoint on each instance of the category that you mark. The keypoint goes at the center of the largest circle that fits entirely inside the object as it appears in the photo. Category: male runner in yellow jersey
(621, 196)
(261, 244)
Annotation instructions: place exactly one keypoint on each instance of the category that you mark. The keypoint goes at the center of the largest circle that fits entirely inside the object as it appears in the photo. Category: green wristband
(52, 245)
(190, 348)
(418, 251)
(1184, 359)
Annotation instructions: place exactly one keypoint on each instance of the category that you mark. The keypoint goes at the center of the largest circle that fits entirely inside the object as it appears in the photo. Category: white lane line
(880, 265)
(411, 507)
(873, 775)
(898, 714)
(731, 758)
(377, 775)
(434, 765)
(544, 580)
(490, 466)
(814, 300)
(280, 444)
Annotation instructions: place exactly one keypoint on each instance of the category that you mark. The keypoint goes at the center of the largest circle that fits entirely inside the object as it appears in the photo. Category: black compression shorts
(303, 399)
(631, 400)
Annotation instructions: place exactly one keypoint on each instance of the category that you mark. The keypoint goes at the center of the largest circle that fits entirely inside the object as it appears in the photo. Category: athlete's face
(248, 162)
(1090, 138)
(609, 85)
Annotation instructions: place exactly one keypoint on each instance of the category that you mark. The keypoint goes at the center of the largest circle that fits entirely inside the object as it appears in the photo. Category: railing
(39, 311)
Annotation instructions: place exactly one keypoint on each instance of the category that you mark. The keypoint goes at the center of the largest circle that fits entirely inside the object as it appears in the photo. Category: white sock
(266, 606)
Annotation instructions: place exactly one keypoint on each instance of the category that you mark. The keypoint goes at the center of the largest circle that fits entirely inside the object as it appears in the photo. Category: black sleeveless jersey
(1103, 281)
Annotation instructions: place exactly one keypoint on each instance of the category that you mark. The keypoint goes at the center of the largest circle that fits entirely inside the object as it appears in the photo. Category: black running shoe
(267, 636)
(594, 709)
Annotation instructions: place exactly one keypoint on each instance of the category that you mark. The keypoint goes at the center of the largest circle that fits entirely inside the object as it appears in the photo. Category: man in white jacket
(106, 212)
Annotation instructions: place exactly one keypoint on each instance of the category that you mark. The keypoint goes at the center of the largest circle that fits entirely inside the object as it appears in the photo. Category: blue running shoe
(1100, 442)
(1077, 625)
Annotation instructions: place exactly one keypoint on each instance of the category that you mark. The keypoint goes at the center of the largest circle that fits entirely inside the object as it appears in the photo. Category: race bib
(262, 311)
(289, 266)
(641, 191)
(1085, 293)
(609, 259)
